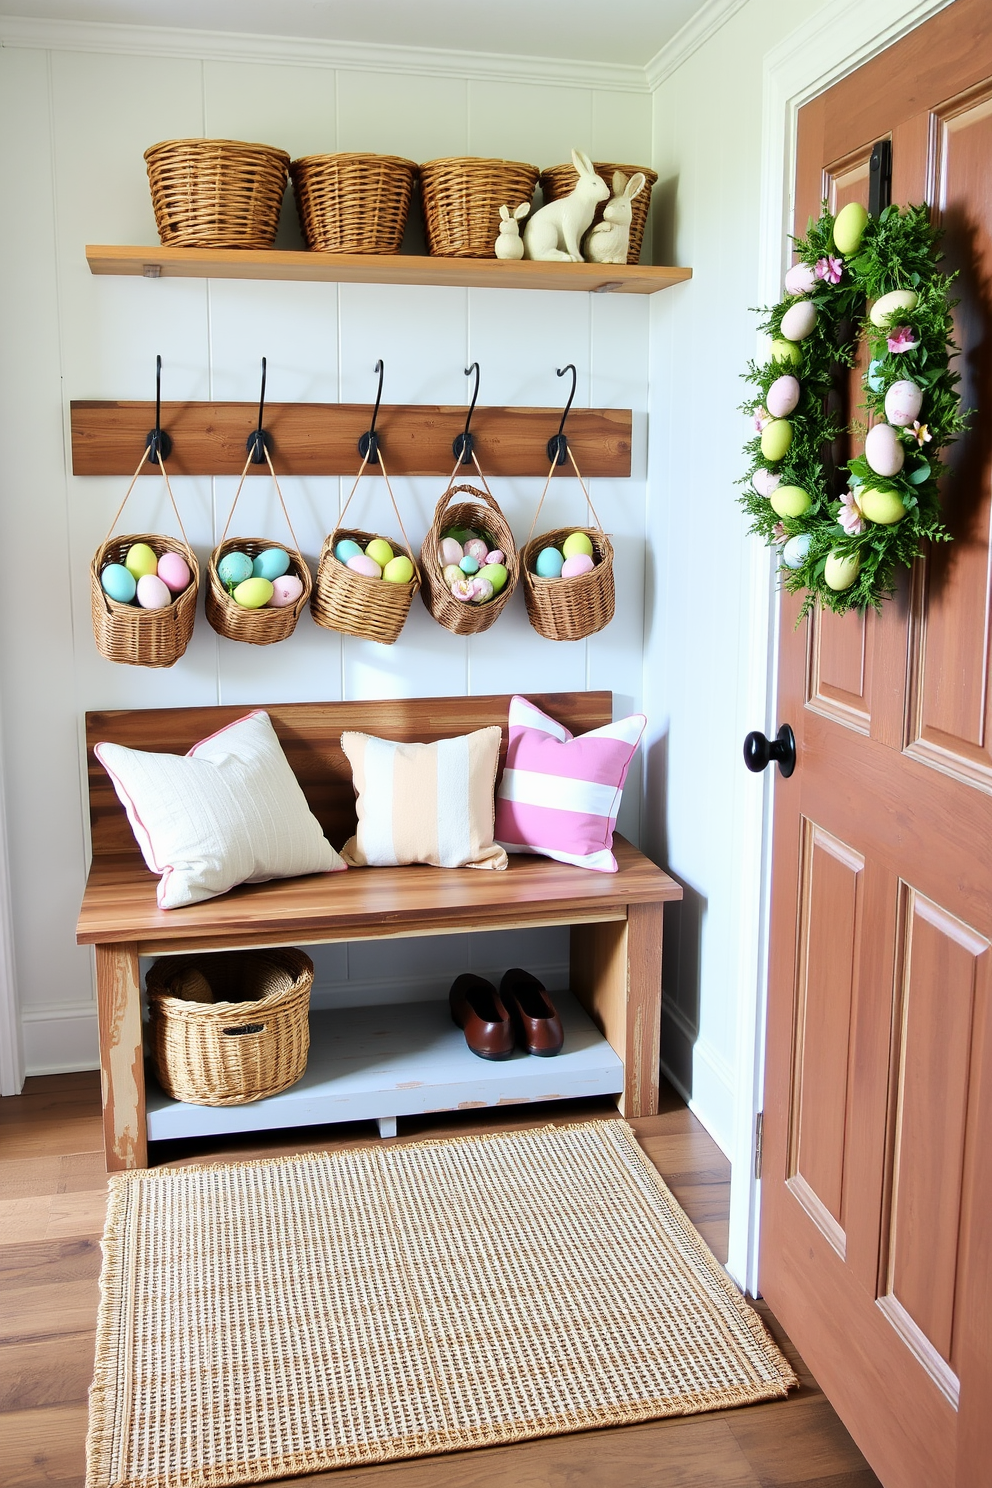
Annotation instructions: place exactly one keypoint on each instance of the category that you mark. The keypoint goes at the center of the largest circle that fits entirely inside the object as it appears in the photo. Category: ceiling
(615, 31)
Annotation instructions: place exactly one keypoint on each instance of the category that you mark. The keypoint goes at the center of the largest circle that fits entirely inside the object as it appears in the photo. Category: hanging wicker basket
(353, 203)
(558, 181)
(216, 193)
(482, 514)
(569, 609)
(250, 1040)
(462, 196)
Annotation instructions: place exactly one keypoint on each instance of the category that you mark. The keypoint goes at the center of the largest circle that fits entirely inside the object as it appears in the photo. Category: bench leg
(386, 1125)
(122, 1066)
(616, 975)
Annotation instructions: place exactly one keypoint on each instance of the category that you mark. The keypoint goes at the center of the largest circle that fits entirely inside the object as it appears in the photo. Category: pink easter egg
(450, 551)
(366, 566)
(483, 591)
(765, 481)
(783, 395)
(800, 279)
(579, 563)
(286, 590)
(152, 593)
(477, 549)
(903, 402)
(496, 556)
(174, 571)
(799, 320)
(884, 450)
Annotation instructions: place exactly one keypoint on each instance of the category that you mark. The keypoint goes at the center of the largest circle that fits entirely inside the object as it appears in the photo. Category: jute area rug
(335, 1309)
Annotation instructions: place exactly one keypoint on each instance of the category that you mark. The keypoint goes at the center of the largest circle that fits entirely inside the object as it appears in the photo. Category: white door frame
(11, 1037)
(832, 43)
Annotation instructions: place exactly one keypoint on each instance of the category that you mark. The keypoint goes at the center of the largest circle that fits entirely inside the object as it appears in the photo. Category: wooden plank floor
(52, 1187)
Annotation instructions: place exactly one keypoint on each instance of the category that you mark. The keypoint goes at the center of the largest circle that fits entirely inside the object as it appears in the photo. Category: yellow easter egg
(575, 543)
(882, 504)
(253, 594)
(786, 351)
(776, 438)
(398, 570)
(849, 225)
(140, 560)
(379, 551)
(839, 572)
(790, 501)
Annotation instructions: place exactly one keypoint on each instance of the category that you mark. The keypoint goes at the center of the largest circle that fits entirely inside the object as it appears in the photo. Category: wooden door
(876, 1241)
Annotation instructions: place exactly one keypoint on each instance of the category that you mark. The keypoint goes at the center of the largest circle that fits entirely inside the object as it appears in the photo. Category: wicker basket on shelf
(558, 181)
(216, 193)
(482, 514)
(353, 203)
(249, 1040)
(462, 196)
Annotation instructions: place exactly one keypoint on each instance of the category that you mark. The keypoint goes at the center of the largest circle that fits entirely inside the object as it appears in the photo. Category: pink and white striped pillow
(559, 796)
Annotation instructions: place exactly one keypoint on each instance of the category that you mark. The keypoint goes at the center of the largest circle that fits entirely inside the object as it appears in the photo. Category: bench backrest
(310, 734)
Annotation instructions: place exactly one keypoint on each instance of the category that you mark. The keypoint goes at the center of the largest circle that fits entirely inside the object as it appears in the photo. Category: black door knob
(782, 749)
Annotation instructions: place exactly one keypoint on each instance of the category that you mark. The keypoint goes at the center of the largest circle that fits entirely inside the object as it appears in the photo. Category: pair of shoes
(520, 1013)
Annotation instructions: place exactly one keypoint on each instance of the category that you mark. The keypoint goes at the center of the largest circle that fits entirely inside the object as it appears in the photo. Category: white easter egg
(883, 450)
(903, 402)
(799, 320)
(450, 551)
(897, 302)
(795, 550)
(766, 481)
(783, 395)
(153, 592)
(800, 279)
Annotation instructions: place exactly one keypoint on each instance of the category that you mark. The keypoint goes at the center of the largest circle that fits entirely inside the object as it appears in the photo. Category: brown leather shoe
(476, 1008)
(535, 1022)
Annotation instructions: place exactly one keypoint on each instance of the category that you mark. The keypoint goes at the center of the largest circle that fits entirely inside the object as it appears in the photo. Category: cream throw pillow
(230, 811)
(424, 803)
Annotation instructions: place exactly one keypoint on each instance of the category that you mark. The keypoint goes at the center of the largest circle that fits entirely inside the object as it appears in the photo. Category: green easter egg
(840, 573)
(849, 225)
(496, 574)
(790, 501)
(140, 560)
(881, 504)
(379, 551)
(786, 351)
(252, 594)
(577, 542)
(398, 570)
(776, 438)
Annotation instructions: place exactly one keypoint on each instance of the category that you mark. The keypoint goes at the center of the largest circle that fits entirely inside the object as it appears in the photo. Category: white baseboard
(700, 1074)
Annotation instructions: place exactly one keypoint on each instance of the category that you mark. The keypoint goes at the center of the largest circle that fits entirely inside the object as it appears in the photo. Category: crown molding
(697, 30)
(221, 46)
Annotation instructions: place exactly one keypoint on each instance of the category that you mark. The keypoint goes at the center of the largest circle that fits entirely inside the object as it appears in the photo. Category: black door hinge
(880, 177)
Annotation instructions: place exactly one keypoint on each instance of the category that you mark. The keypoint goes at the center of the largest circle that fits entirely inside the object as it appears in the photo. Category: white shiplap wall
(74, 124)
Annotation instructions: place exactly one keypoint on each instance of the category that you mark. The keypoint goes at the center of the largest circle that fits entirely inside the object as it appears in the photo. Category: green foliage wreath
(845, 551)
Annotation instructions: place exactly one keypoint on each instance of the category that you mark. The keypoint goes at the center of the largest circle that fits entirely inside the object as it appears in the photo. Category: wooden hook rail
(322, 438)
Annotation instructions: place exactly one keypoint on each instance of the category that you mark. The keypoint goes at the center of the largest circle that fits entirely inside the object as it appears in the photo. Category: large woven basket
(351, 603)
(462, 196)
(569, 609)
(129, 634)
(353, 203)
(558, 181)
(257, 627)
(216, 193)
(482, 515)
(249, 1042)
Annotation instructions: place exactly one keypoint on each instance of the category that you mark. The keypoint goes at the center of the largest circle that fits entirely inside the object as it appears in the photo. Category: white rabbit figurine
(609, 240)
(508, 244)
(555, 230)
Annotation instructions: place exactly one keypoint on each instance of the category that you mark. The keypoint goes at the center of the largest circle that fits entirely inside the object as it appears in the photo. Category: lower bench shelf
(378, 1063)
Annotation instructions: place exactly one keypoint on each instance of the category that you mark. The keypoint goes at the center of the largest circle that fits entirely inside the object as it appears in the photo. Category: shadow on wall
(662, 221)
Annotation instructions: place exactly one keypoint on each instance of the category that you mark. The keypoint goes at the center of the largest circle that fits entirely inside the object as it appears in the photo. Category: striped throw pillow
(559, 795)
(424, 803)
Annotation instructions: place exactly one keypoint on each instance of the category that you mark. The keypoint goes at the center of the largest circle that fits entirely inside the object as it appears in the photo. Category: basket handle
(452, 490)
(275, 478)
(544, 493)
(245, 1027)
(168, 487)
(361, 472)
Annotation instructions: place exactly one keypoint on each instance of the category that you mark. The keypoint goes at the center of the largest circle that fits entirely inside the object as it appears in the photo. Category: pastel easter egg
(549, 563)
(140, 560)
(786, 351)
(469, 565)
(234, 568)
(450, 551)
(897, 302)
(575, 543)
(152, 593)
(495, 574)
(483, 589)
(452, 574)
(790, 501)
(347, 548)
(776, 438)
(884, 450)
(783, 395)
(398, 570)
(795, 550)
(496, 556)
(579, 563)
(476, 548)
(881, 504)
(839, 572)
(118, 583)
(174, 571)
(270, 564)
(800, 279)
(849, 225)
(253, 594)
(903, 402)
(463, 589)
(362, 564)
(799, 320)
(286, 590)
(875, 378)
(765, 481)
(379, 551)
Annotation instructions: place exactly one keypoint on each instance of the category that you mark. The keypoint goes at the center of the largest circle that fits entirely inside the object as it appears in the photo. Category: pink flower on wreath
(923, 435)
(829, 268)
(761, 417)
(850, 516)
(903, 338)
(779, 533)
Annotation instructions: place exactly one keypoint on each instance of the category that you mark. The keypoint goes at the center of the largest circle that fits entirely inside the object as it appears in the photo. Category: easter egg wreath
(854, 275)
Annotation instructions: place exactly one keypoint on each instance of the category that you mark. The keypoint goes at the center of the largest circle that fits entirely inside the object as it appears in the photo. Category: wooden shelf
(371, 268)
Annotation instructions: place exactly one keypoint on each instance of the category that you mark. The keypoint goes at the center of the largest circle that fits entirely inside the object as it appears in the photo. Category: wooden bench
(615, 919)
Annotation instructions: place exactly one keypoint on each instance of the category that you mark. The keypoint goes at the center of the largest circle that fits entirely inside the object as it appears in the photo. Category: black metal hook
(158, 444)
(558, 443)
(462, 444)
(368, 445)
(258, 440)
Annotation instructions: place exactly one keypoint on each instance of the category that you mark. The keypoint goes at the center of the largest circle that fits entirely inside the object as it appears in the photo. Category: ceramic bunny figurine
(608, 241)
(555, 230)
(508, 244)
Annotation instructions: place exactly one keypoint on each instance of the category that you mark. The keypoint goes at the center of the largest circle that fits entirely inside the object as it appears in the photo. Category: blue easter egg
(875, 376)
(549, 564)
(469, 565)
(346, 549)
(270, 564)
(119, 583)
(795, 550)
(234, 568)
